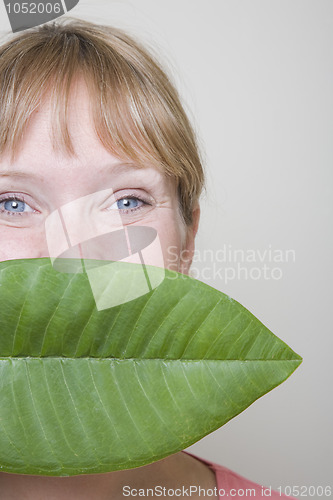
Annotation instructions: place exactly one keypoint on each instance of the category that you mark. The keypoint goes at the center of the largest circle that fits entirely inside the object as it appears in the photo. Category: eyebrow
(116, 168)
(19, 173)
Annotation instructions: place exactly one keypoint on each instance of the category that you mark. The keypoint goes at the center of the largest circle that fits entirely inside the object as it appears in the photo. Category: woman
(89, 120)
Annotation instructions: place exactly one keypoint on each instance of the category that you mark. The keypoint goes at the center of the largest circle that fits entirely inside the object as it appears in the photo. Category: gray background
(256, 76)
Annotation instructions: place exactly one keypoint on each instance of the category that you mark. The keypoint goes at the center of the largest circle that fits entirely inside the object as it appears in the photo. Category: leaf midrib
(91, 358)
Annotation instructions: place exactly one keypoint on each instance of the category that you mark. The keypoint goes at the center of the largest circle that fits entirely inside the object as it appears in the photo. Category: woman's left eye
(128, 203)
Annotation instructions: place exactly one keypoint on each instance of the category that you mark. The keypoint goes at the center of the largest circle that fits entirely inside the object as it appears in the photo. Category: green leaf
(84, 390)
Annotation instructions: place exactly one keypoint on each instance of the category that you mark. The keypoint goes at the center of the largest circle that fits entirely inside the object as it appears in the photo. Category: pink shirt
(232, 485)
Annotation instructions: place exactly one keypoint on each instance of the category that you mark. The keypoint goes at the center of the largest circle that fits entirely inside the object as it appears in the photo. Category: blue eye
(127, 203)
(14, 206)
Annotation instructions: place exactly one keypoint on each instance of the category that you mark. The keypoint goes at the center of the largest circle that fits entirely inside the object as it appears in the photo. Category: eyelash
(13, 198)
(131, 197)
(21, 199)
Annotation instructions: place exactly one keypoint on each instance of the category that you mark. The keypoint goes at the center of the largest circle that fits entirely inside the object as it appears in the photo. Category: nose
(76, 222)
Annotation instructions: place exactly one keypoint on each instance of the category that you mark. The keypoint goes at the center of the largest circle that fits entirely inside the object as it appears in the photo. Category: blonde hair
(136, 110)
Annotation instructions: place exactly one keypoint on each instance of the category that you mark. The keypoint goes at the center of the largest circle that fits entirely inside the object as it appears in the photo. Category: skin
(41, 181)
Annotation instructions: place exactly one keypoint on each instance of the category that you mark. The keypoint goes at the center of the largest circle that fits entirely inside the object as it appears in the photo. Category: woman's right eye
(12, 206)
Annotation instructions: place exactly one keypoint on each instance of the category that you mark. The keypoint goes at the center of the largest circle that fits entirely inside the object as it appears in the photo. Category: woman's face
(50, 202)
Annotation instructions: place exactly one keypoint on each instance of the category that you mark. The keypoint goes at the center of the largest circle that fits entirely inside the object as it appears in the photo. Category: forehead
(91, 169)
(39, 133)
(38, 152)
